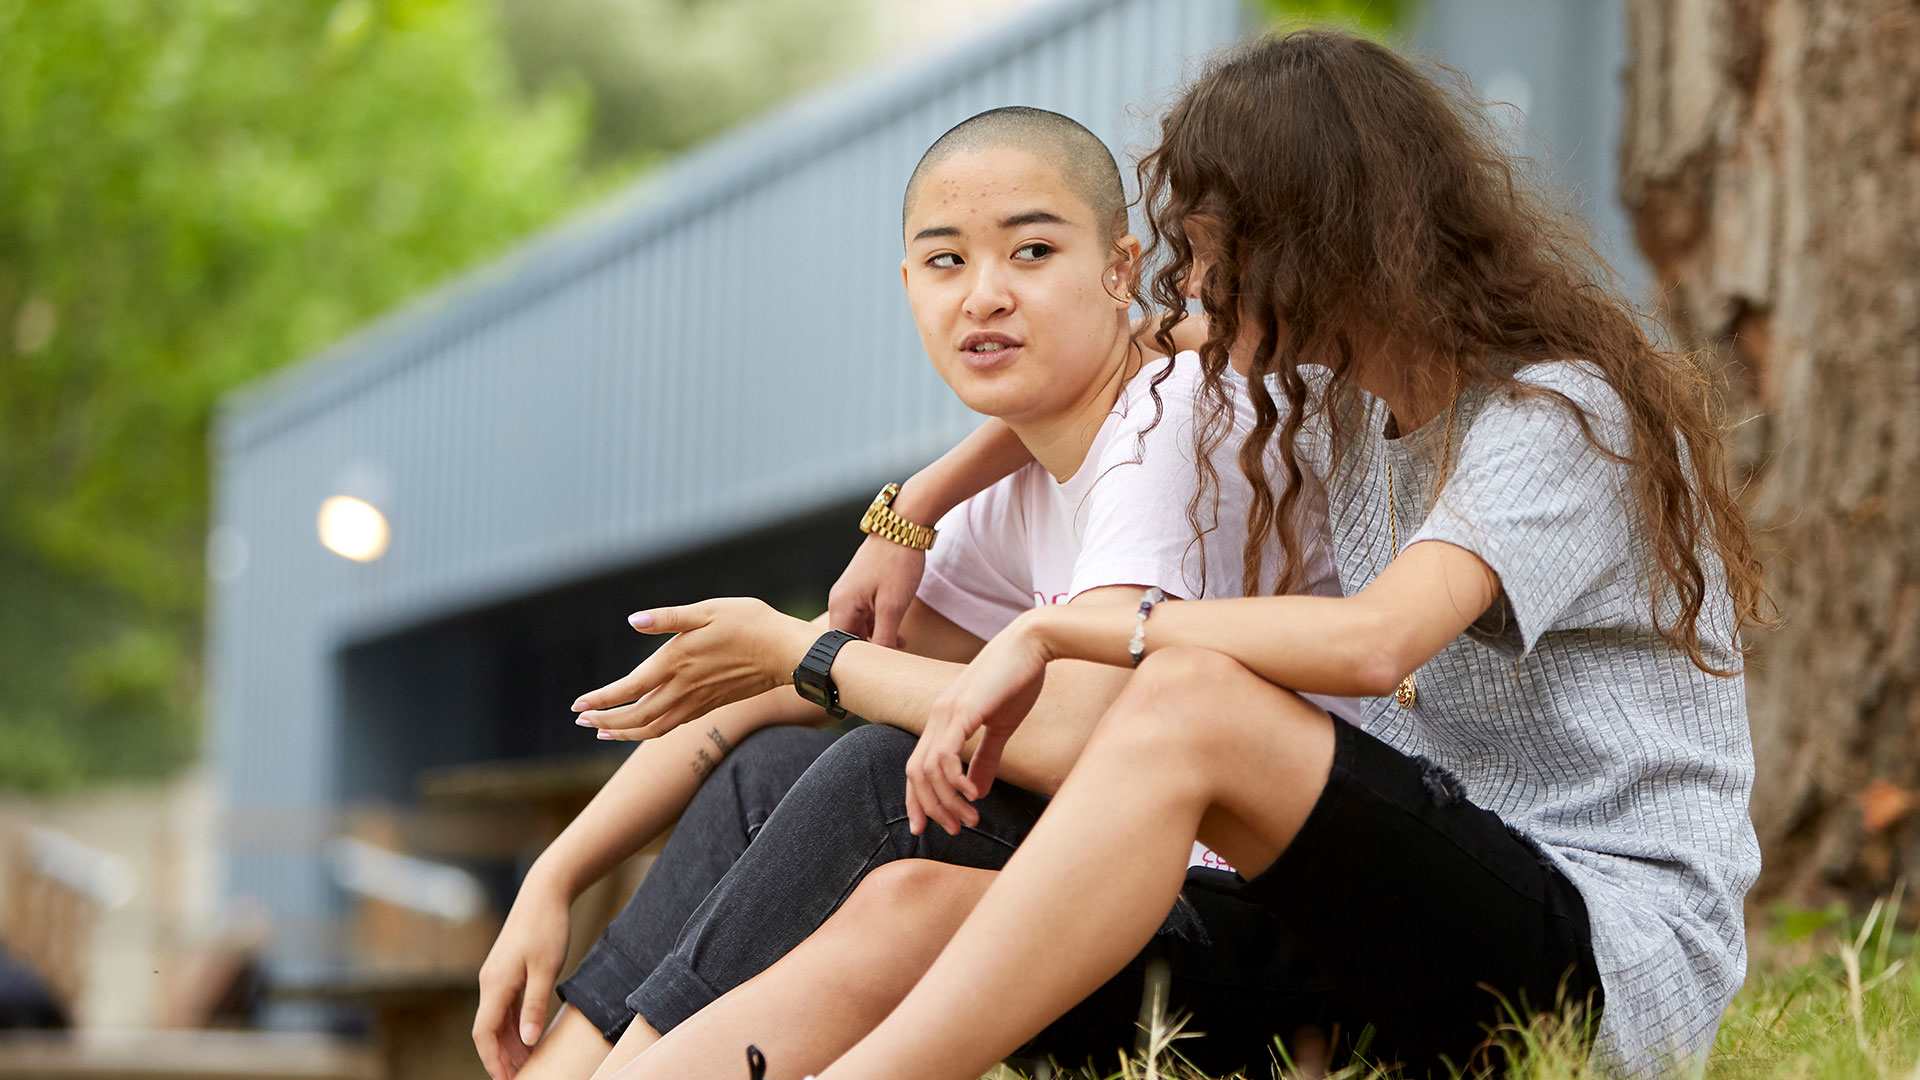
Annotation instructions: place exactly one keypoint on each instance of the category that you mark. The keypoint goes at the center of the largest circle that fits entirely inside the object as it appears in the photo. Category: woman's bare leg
(571, 1049)
(820, 998)
(1196, 744)
(633, 1042)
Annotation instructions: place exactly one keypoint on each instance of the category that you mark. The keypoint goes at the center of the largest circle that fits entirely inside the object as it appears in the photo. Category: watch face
(808, 689)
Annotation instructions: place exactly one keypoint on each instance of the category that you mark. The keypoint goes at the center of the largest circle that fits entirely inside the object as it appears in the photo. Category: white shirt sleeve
(1136, 530)
(971, 578)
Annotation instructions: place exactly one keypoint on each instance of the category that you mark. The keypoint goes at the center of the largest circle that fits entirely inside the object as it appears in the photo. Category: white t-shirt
(1121, 519)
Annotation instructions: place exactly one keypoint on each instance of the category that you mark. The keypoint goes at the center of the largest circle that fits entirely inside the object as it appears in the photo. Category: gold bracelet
(881, 521)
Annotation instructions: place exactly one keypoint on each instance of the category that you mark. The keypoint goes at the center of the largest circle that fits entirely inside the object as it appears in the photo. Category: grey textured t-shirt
(1562, 710)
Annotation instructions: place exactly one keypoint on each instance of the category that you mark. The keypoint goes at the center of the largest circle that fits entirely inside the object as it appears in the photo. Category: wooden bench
(413, 967)
(187, 1055)
(550, 794)
(56, 890)
(422, 1021)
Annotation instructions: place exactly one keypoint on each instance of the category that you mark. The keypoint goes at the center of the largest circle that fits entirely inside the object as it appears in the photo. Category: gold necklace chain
(1407, 693)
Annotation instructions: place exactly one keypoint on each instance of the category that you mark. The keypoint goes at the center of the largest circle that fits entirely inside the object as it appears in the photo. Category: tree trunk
(1771, 164)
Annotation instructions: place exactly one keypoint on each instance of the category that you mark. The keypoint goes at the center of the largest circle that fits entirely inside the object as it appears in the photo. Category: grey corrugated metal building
(686, 394)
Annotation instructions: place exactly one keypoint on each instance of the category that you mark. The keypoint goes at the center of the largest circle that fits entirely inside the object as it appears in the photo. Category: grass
(1827, 997)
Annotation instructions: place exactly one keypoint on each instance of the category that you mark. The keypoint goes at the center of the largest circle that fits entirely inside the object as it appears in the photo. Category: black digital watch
(813, 680)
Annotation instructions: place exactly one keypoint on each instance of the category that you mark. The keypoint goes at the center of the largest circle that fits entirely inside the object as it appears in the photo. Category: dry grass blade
(1880, 917)
(1886, 935)
(1856, 993)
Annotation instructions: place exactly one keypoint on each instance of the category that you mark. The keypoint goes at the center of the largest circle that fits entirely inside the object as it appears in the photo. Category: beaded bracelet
(1137, 645)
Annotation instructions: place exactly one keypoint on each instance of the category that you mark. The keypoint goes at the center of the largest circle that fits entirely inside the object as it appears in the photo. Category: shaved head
(1083, 160)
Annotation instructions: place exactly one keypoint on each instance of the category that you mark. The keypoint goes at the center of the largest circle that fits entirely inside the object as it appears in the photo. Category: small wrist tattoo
(719, 741)
(703, 763)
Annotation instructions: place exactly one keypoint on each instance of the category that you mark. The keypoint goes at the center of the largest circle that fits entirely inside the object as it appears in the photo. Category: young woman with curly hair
(1545, 580)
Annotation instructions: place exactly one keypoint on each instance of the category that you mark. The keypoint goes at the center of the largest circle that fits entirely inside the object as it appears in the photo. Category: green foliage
(1832, 999)
(196, 192)
(1794, 924)
(664, 74)
(1852, 1009)
(193, 193)
(1366, 16)
(90, 683)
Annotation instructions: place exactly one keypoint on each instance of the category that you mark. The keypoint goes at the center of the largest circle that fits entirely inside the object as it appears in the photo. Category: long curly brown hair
(1342, 199)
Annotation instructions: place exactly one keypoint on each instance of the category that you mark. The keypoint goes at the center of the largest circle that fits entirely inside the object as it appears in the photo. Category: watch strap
(816, 669)
(883, 521)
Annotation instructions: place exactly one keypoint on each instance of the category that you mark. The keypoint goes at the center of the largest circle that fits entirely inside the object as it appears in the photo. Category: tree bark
(1771, 165)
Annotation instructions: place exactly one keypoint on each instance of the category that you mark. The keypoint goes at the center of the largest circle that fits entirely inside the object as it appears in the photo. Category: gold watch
(881, 521)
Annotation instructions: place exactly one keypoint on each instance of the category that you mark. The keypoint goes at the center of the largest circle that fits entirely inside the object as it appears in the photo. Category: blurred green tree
(1369, 16)
(192, 193)
(664, 74)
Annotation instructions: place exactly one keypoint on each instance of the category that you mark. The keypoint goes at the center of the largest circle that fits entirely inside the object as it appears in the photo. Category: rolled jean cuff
(670, 995)
(599, 989)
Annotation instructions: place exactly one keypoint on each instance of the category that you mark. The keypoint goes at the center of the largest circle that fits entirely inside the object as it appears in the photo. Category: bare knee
(1172, 711)
(1186, 711)
(888, 931)
(907, 909)
(904, 893)
(1180, 675)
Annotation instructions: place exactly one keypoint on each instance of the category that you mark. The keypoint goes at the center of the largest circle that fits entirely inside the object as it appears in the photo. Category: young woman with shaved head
(1019, 272)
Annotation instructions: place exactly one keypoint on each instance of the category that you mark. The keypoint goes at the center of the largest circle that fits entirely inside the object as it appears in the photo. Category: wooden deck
(186, 1055)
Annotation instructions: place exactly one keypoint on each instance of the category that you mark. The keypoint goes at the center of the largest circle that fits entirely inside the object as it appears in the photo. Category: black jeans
(753, 868)
(748, 874)
(1398, 905)
(845, 817)
(719, 824)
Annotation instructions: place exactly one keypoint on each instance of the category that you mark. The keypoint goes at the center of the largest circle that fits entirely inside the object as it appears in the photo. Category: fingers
(954, 776)
(942, 771)
(490, 1027)
(670, 620)
(533, 1006)
(847, 610)
(889, 609)
(513, 1053)
(633, 714)
(654, 669)
(649, 718)
(927, 792)
(939, 801)
(916, 817)
(922, 806)
(916, 809)
(986, 762)
(487, 1047)
(630, 687)
(931, 772)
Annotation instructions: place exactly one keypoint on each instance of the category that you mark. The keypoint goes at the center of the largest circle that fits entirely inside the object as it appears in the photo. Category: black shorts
(1400, 907)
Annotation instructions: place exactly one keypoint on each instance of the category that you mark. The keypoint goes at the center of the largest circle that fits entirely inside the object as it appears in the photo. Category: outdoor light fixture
(353, 528)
